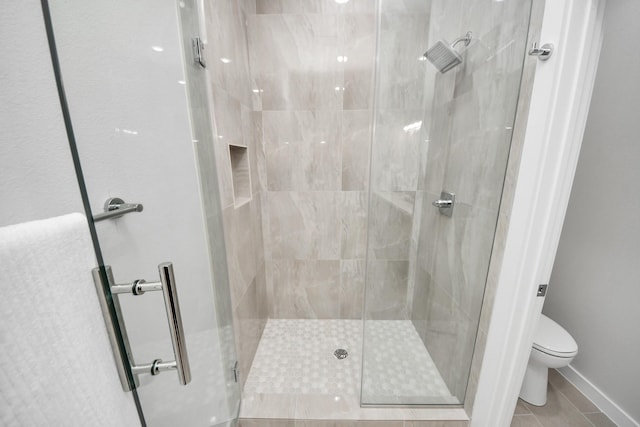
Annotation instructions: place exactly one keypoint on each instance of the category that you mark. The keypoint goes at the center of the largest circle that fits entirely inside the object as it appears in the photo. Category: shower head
(443, 56)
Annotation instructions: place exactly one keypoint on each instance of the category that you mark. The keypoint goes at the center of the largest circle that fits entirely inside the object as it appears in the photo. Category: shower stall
(326, 177)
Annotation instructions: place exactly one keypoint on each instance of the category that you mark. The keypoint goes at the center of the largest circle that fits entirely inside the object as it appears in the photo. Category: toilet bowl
(553, 347)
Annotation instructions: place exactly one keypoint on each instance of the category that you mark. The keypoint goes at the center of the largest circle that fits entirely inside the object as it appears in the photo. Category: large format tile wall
(398, 147)
(312, 65)
(472, 119)
(236, 123)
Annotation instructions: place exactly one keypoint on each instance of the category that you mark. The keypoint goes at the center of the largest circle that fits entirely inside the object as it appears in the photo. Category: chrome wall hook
(543, 52)
(115, 207)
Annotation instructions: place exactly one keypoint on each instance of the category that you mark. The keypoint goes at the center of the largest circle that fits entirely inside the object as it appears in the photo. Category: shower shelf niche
(240, 174)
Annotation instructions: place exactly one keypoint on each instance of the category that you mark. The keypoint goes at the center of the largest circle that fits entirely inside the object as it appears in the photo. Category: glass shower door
(137, 103)
(439, 158)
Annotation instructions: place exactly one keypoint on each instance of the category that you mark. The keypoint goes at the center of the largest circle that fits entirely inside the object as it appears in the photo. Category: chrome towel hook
(115, 207)
(543, 52)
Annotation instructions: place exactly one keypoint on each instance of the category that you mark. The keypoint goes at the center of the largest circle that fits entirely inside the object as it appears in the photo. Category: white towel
(56, 364)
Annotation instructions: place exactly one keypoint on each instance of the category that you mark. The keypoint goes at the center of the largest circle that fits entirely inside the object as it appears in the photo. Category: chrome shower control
(445, 203)
(442, 203)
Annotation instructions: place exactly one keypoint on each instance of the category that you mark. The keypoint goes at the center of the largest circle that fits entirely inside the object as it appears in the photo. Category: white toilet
(553, 347)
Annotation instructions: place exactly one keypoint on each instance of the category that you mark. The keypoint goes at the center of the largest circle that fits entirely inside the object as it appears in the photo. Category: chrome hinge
(198, 52)
(236, 372)
(542, 290)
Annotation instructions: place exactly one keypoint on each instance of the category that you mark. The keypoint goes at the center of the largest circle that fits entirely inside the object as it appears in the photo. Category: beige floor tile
(521, 408)
(600, 420)
(436, 423)
(266, 423)
(525, 421)
(558, 412)
(578, 399)
(347, 423)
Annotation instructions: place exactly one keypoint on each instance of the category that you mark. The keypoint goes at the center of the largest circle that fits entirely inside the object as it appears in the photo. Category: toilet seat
(553, 339)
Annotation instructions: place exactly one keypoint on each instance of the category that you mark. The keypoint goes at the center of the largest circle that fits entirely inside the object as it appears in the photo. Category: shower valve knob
(442, 203)
(445, 203)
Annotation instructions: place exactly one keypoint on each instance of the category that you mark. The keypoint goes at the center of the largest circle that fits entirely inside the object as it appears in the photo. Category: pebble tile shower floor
(296, 356)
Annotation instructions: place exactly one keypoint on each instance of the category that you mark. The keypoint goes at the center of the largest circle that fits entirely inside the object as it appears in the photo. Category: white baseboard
(601, 400)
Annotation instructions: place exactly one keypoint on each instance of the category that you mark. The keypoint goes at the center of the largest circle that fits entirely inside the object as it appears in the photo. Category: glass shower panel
(140, 116)
(436, 132)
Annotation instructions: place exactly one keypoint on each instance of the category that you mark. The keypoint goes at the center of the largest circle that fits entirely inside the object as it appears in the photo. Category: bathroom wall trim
(597, 396)
(558, 113)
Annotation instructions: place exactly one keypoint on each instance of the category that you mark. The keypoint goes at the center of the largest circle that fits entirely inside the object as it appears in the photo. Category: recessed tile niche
(241, 176)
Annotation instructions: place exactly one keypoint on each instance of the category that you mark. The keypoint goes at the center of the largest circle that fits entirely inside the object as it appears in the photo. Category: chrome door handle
(174, 317)
(167, 285)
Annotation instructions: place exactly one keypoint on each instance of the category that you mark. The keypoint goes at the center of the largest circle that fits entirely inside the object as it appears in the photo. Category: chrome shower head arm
(466, 39)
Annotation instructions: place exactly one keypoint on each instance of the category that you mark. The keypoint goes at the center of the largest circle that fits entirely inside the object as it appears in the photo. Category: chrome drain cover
(341, 353)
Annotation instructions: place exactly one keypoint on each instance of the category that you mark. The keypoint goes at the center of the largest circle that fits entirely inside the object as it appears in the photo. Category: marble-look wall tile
(421, 255)
(303, 225)
(386, 289)
(356, 143)
(438, 150)
(358, 40)
(312, 62)
(240, 245)
(464, 249)
(396, 141)
(477, 166)
(402, 41)
(520, 125)
(303, 150)
(420, 299)
(234, 122)
(449, 338)
(490, 107)
(428, 230)
(469, 143)
(294, 63)
(223, 166)
(256, 229)
(305, 289)
(352, 275)
(445, 20)
(391, 219)
(405, 6)
(252, 135)
(301, 90)
(248, 327)
(227, 113)
(314, 6)
(353, 217)
(227, 39)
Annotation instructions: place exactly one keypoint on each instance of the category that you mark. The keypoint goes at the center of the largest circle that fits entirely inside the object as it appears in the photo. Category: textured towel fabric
(56, 364)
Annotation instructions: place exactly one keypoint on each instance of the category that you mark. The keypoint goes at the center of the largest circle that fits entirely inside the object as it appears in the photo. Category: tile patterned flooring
(293, 383)
(566, 407)
(295, 356)
(295, 375)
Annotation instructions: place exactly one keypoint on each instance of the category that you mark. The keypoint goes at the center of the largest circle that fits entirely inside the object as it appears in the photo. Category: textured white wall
(595, 285)
(124, 78)
(37, 179)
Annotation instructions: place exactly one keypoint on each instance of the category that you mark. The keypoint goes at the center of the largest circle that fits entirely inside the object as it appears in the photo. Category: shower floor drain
(341, 353)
